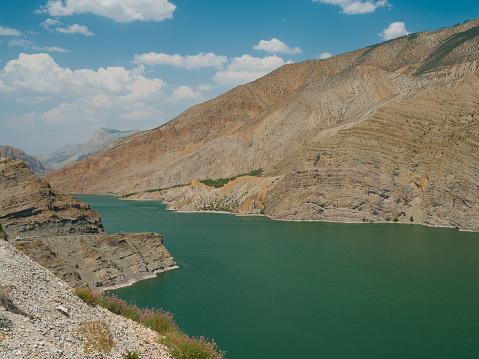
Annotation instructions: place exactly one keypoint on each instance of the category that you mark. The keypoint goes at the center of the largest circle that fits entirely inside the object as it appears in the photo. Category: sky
(68, 67)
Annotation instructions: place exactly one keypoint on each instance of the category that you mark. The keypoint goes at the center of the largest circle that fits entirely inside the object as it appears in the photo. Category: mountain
(66, 235)
(69, 154)
(20, 155)
(388, 132)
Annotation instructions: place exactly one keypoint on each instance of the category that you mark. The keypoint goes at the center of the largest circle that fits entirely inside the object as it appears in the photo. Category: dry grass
(96, 336)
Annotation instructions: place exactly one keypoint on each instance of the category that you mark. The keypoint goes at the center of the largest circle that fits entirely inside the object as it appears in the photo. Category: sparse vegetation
(220, 182)
(411, 219)
(181, 345)
(395, 219)
(96, 336)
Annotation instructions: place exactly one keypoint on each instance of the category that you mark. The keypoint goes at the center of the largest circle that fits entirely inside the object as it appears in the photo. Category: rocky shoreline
(54, 316)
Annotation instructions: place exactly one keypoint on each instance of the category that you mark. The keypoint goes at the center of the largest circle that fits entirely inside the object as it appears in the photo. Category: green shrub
(411, 219)
(395, 219)
(87, 296)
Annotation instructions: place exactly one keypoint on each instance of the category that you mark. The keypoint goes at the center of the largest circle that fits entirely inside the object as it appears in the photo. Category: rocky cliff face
(101, 261)
(364, 136)
(30, 207)
(72, 153)
(16, 154)
(66, 236)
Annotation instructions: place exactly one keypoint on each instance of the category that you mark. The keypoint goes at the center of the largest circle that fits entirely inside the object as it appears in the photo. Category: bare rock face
(101, 261)
(66, 235)
(379, 133)
(19, 155)
(29, 207)
(244, 195)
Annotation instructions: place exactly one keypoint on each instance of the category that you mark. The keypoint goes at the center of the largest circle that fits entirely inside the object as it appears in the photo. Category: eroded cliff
(66, 236)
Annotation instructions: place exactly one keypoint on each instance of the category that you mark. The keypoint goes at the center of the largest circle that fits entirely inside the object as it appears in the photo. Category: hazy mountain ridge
(294, 119)
(72, 153)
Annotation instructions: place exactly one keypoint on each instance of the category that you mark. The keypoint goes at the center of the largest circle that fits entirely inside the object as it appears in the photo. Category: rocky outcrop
(244, 195)
(29, 207)
(19, 155)
(101, 261)
(370, 135)
(66, 236)
(72, 153)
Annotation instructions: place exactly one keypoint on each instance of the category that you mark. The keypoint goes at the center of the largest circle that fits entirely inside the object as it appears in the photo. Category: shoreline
(292, 220)
(139, 279)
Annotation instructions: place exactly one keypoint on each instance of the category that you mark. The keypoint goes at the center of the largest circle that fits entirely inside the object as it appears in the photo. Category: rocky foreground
(49, 316)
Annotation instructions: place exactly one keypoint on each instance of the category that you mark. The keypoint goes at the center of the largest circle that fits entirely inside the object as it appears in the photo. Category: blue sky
(68, 67)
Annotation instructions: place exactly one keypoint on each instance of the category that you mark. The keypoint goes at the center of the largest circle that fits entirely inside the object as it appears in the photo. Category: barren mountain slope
(416, 158)
(378, 133)
(258, 124)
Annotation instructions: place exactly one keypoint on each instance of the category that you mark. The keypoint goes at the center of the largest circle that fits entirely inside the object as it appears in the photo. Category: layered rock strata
(379, 133)
(29, 207)
(101, 261)
(66, 235)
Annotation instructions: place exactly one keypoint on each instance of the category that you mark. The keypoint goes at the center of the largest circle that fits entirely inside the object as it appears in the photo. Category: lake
(267, 289)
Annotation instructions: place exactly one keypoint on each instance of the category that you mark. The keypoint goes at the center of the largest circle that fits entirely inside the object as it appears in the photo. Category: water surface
(280, 290)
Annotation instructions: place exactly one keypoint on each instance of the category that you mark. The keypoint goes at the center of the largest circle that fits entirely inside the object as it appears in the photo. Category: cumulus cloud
(75, 29)
(184, 93)
(6, 31)
(74, 102)
(246, 69)
(324, 55)
(395, 29)
(352, 7)
(117, 10)
(275, 46)
(190, 62)
(40, 74)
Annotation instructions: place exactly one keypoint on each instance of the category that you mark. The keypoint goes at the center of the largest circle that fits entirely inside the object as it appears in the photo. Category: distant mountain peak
(71, 153)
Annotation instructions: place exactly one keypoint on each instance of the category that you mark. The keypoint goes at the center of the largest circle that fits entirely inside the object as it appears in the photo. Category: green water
(271, 290)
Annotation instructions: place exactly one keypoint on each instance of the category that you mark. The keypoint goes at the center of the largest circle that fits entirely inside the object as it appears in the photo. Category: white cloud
(40, 74)
(184, 93)
(75, 29)
(117, 10)
(49, 23)
(275, 46)
(6, 31)
(395, 29)
(19, 42)
(324, 55)
(246, 69)
(352, 7)
(189, 62)
(50, 49)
